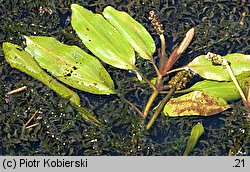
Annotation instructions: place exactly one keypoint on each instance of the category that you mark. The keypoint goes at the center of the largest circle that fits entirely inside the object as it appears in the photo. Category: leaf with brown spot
(70, 64)
(195, 103)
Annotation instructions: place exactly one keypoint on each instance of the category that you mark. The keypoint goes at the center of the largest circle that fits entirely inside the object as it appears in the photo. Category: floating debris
(17, 90)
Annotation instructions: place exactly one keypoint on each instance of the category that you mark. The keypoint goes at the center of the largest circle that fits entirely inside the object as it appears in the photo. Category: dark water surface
(220, 28)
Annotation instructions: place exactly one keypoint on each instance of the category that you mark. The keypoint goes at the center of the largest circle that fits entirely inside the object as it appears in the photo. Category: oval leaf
(195, 103)
(196, 132)
(23, 61)
(132, 30)
(70, 65)
(238, 62)
(102, 39)
(224, 90)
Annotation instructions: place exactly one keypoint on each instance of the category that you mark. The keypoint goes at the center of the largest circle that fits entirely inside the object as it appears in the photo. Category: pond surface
(221, 27)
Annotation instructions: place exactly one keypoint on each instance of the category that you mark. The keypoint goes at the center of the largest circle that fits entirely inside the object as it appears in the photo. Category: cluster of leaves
(210, 95)
(168, 138)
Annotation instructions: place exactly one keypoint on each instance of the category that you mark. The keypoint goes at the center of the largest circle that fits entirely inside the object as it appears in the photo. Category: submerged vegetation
(61, 131)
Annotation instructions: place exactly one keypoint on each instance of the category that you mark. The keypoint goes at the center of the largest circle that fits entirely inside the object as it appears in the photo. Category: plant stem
(230, 72)
(145, 79)
(176, 83)
(158, 88)
(177, 70)
(164, 66)
(131, 104)
(178, 92)
(156, 68)
(163, 53)
(160, 107)
(248, 97)
(158, 85)
(149, 103)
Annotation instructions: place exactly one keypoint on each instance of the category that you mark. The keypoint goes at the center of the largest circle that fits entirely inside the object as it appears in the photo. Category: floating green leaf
(238, 62)
(24, 62)
(102, 38)
(70, 65)
(224, 90)
(132, 30)
(196, 132)
(195, 103)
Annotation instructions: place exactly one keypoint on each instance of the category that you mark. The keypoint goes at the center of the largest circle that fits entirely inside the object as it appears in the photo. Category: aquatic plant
(215, 133)
(114, 37)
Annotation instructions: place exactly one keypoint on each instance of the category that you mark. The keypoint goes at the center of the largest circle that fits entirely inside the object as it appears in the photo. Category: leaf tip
(186, 41)
(73, 6)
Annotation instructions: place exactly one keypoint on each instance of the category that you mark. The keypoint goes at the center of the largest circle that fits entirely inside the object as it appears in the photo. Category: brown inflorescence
(156, 23)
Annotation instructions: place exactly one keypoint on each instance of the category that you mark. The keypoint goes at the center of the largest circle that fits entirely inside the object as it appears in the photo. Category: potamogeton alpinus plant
(114, 37)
